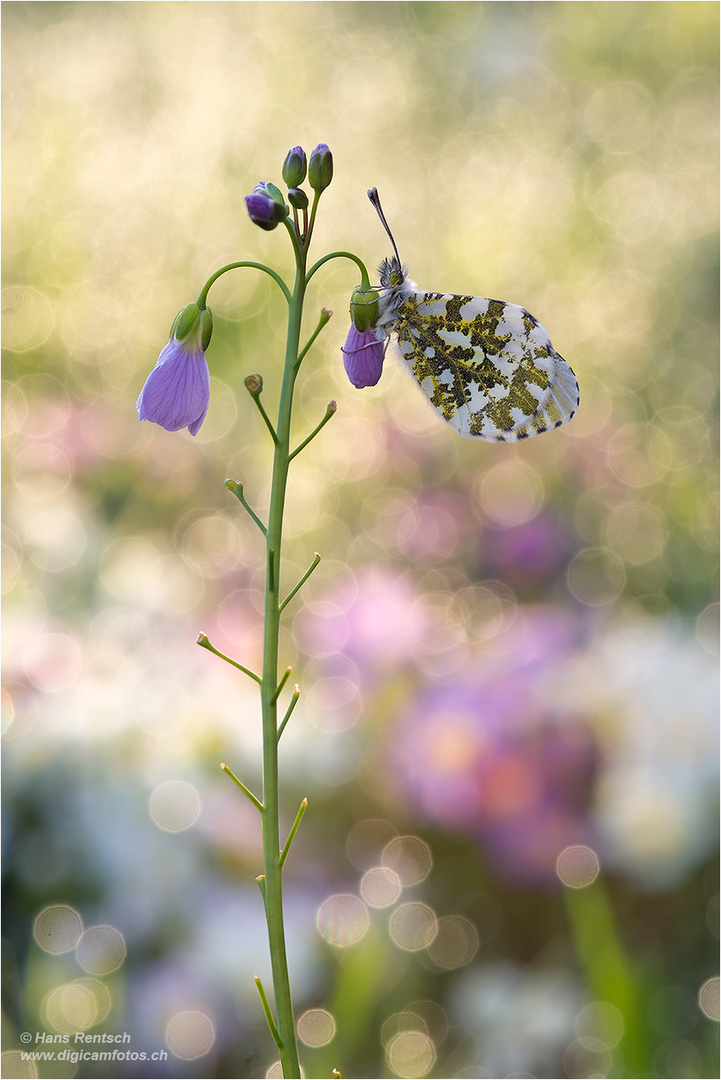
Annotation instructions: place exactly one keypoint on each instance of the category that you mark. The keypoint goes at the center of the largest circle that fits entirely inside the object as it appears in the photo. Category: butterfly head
(391, 273)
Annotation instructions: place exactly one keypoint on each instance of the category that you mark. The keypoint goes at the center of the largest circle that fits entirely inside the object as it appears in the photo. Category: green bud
(364, 308)
(294, 167)
(298, 198)
(253, 384)
(320, 170)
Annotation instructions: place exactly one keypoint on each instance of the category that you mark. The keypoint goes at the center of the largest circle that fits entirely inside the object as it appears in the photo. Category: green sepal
(364, 307)
(206, 328)
(268, 188)
(185, 321)
(193, 319)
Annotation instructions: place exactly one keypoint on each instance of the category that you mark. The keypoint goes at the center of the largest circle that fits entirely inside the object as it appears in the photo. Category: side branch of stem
(289, 710)
(237, 488)
(330, 411)
(255, 394)
(324, 319)
(338, 255)
(284, 679)
(302, 581)
(246, 791)
(203, 295)
(202, 640)
(268, 1013)
(291, 835)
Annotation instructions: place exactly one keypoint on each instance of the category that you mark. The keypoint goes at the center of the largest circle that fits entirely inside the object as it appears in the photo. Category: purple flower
(177, 391)
(363, 354)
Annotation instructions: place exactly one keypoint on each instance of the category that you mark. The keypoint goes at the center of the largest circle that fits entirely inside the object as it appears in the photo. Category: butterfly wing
(487, 367)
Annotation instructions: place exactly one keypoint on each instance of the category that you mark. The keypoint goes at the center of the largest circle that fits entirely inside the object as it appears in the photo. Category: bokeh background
(507, 650)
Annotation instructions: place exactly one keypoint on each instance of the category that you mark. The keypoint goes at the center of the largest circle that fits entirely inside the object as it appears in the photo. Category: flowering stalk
(163, 398)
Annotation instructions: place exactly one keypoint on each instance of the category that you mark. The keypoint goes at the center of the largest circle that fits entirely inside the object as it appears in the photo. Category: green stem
(340, 255)
(273, 886)
(203, 296)
(311, 223)
(609, 974)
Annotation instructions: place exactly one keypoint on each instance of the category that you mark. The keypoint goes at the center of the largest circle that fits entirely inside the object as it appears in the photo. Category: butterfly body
(487, 367)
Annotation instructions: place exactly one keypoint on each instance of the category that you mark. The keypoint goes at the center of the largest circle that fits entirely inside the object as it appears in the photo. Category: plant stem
(273, 888)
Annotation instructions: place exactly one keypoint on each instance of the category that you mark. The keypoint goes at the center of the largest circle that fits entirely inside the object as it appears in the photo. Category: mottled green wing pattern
(487, 367)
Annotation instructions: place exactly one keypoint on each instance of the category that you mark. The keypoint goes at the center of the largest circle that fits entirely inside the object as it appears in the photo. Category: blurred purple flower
(363, 356)
(486, 754)
(177, 391)
(528, 556)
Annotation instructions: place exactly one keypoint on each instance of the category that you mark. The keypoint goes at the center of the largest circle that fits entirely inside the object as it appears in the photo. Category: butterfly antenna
(374, 198)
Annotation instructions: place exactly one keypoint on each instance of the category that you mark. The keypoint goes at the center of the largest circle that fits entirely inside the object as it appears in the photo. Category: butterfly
(486, 366)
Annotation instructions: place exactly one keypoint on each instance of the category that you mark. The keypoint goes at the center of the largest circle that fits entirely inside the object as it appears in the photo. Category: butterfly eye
(395, 277)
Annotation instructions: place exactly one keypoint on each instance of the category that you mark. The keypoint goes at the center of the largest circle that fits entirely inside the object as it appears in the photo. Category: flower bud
(363, 355)
(265, 187)
(320, 170)
(253, 384)
(264, 210)
(294, 167)
(364, 308)
(298, 198)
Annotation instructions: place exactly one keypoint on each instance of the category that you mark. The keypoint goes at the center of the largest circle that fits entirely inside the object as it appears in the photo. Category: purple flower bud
(265, 187)
(177, 391)
(263, 209)
(320, 170)
(363, 354)
(294, 167)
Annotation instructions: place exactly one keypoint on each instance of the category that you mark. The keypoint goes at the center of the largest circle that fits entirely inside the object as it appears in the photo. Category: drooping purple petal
(177, 391)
